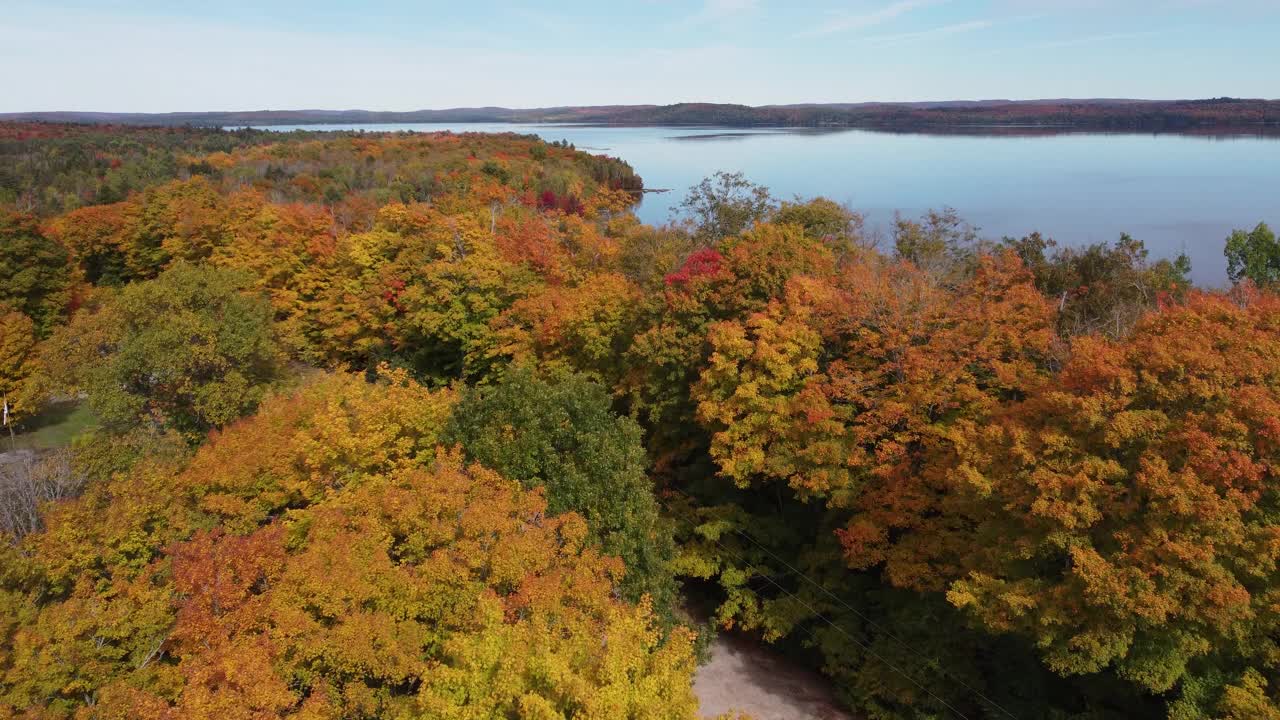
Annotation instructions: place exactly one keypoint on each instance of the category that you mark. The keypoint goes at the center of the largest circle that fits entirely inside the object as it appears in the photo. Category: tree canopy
(324, 559)
(431, 426)
(1254, 255)
(35, 273)
(561, 435)
(189, 350)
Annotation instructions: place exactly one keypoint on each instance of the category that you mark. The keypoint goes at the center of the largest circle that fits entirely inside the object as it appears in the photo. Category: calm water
(1175, 192)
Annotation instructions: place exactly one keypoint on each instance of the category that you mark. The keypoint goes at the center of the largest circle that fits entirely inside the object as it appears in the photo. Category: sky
(146, 56)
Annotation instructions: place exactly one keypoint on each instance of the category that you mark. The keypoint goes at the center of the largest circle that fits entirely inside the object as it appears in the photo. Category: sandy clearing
(743, 675)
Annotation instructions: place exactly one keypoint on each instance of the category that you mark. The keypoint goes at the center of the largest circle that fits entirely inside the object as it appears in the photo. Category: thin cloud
(860, 21)
(1085, 40)
(1140, 5)
(931, 33)
(714, 12)
(1091, 39)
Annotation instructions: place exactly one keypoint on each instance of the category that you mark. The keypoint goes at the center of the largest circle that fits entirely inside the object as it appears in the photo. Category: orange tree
(1133, 505)
(1114, 517)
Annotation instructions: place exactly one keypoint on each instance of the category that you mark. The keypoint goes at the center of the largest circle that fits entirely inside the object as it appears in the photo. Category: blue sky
(133, 55)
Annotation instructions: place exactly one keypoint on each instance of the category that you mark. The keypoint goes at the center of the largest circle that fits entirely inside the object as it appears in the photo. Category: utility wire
(839, 629)
(864, 617)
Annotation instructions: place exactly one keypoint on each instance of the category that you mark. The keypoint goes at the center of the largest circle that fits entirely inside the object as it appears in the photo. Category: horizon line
(993, 101)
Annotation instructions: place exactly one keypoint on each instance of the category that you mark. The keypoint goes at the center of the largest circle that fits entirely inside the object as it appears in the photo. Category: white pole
(13, 442)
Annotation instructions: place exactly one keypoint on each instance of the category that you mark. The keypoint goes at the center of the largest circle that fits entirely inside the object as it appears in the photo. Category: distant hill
(1106, 114)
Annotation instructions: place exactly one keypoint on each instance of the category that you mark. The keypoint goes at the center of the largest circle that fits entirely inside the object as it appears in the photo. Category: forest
(414, 425)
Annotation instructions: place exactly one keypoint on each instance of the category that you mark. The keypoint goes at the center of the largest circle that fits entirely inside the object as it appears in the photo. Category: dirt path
(745, 676)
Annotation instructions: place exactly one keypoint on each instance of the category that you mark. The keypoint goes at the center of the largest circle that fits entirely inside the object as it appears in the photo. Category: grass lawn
(55, 427)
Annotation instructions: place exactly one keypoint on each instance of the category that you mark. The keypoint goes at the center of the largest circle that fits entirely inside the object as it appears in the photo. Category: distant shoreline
(1256, 130)
(1059, 115)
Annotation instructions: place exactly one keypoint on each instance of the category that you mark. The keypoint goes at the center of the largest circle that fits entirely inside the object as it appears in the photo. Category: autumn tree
(585, 328)
(35, 277)
(836, 415)
(1102, 287)
(713, 284)
(856, 391)
(27, 484)
(322, 559)
(96, 237)
(421, 290)
(441, 592)
(178, 221)
(1125, 515)
(189, 350)
(649, 254)
(17, 361)
(940, 242)
(834, 224)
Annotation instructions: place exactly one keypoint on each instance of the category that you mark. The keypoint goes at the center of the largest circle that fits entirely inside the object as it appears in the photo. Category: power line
(839, 629)
(864, 617)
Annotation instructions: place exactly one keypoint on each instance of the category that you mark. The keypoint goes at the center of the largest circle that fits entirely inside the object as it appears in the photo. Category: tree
(739, 277)
(834, 224)
(1101, 287)
(560, 434)
(724, 205)
(857, 392)
(649, 254)
(836, 415)
(17, 362)
(441, 592)
(35, 276)
(584, 328)
(28, 482)
(1254, 256)
(450, 303)
(323, 560)
(188, 350)
(96, 237)
(940, 243)
(177, 221)
(1124, 515)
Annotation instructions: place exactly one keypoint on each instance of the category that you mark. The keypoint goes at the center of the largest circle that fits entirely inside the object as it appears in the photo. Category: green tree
(1254, 255)
(940, 242)
(1102, 287)
(35, 276)
(724, 205)
(834, 224)
(189, 350)
(560, 434)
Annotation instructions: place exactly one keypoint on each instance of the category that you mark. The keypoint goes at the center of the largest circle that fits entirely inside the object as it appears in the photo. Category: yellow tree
(324, 560)
(17, 363)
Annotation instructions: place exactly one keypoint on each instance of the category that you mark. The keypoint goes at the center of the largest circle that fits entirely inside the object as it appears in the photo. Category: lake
(1178, 193)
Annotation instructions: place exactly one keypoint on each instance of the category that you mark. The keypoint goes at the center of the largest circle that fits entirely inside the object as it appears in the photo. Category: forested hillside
(431, 426)
(1223, 114)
